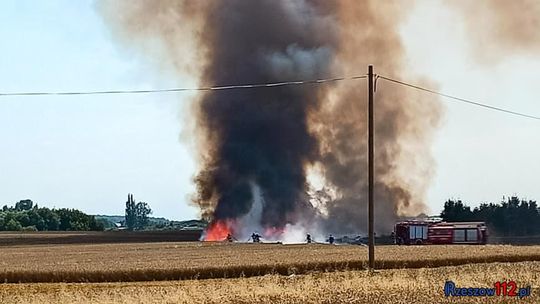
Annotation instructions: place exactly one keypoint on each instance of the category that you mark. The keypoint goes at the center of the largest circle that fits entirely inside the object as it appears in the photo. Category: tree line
(511, 217)
(136, 217)
(27, 216)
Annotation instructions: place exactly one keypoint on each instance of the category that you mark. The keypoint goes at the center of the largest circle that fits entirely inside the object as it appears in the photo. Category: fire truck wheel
(418, 242)
(399, 241)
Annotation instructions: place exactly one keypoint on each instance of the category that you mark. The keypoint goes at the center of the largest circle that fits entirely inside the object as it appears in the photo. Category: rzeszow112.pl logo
(499, 289)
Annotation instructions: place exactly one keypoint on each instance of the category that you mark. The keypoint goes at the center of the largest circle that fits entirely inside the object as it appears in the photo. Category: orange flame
(218, 230)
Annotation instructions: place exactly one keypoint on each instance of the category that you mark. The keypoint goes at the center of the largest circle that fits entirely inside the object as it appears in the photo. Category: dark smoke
(261, 135)
(272, 136)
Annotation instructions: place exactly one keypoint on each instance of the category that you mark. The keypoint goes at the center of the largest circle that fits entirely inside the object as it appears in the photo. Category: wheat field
(173, 261)
(424, 285)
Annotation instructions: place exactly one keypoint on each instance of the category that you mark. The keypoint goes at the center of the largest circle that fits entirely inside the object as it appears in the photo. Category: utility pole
(371, 236)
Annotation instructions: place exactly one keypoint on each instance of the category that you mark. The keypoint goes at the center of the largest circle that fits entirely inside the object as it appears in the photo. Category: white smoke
(251, 223)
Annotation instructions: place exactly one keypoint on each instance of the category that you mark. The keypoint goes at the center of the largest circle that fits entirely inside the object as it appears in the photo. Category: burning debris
(218, 231)
(257, 146)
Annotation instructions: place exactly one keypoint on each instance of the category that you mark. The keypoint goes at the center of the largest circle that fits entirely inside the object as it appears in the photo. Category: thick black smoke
(271, 137)
(261, 135)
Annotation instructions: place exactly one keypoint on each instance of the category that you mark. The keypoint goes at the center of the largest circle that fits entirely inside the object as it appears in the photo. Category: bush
(29, 228)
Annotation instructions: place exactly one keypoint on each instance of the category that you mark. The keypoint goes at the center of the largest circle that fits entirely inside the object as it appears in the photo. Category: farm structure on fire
(418, 232)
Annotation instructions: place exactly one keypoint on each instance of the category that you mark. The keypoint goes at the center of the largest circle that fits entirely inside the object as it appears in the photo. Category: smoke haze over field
(269, 145)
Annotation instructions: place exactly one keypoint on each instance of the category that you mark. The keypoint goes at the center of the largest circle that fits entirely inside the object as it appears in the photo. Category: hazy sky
(88, 152)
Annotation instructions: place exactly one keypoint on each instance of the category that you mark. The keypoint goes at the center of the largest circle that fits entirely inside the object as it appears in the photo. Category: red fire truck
(438, 232)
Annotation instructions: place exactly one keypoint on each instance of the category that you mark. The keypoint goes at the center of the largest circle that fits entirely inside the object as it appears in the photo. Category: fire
(218, 230)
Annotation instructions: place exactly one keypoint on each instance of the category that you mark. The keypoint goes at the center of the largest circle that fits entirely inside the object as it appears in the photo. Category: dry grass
(172, 261)
(386, 286)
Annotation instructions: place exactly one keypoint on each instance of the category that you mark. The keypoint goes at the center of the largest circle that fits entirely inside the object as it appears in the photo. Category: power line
(459, 99)
(266, 85)
(210, 88)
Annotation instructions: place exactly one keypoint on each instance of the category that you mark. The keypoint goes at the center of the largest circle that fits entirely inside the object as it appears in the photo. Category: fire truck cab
(411, 232)
(418, 232)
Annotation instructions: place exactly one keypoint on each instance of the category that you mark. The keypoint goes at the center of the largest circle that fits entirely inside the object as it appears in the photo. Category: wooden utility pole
(371, 236)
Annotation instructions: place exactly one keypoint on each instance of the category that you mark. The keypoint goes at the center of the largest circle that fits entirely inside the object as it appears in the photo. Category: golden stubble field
(424, 285)
(173, 261)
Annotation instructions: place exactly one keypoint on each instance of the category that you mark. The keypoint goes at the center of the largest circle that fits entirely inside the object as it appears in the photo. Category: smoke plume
(498, 28)
(259, 149)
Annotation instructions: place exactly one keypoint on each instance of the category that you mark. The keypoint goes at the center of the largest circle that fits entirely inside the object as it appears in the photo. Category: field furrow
(174, 261)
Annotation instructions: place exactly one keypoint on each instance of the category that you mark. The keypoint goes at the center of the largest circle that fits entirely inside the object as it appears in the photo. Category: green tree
(136, 214)
(75, 220)
(13, 225)
(35, 219)
(50, 219)
(511, 217)
(22, 217)
(456, 211)
(142, 211)
(95, 225)
(30, 217)
(131, 213)
(24, 205)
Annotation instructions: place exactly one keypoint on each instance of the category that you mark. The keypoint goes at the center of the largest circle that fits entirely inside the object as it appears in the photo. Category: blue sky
(88, 152)
(84, 152)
